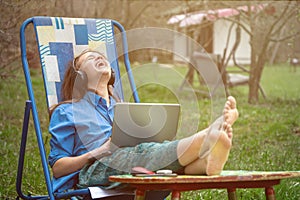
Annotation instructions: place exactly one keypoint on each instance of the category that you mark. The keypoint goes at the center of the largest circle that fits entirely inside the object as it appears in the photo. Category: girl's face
(96, 67)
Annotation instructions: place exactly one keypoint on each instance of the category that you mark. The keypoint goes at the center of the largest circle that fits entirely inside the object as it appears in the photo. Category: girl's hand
(100, 151)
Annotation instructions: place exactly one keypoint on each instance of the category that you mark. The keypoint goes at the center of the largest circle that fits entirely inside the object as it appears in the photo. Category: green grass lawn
(266, 136)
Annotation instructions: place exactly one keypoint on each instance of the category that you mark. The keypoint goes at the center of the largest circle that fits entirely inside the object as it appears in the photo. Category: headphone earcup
(112, 77)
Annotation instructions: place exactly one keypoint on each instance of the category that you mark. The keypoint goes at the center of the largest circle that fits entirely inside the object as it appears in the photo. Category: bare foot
(230, 111)
(220, 152)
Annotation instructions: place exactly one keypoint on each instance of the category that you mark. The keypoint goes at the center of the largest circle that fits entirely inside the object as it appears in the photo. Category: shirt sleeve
(62, 129)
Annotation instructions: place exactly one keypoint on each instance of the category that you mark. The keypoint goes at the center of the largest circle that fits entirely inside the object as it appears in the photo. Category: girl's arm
(68, 165)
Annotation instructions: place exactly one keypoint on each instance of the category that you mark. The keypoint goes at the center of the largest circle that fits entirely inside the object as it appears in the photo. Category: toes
(225, 126)
(229, 132)
(226, 117)
(232, 102)
(227, 104)
(230, 112)
(227, 129)
(226, 108)
(231, 98)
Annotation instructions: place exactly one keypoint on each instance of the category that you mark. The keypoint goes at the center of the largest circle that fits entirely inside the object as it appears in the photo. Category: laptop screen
(136, 123)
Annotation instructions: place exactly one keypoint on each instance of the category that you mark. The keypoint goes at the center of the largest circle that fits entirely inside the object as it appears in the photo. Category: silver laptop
(135, 123)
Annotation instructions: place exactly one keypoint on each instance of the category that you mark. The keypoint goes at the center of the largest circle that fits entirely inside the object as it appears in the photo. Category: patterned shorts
(152, 156)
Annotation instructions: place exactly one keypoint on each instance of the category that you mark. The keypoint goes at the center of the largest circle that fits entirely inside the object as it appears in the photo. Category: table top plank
(225, 176)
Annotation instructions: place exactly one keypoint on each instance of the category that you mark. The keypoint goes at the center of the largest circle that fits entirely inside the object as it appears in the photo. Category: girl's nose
(100, 57)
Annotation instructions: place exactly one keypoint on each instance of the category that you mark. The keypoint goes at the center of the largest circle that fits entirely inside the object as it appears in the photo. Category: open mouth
(100, 64)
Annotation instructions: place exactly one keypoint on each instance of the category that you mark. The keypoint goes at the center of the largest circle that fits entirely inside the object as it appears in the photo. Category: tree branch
(225, 63)
(240, 24)
(278, 21)
(22, 3)
(270, 31)
(283, 22)
(285, 38)
(139, 14)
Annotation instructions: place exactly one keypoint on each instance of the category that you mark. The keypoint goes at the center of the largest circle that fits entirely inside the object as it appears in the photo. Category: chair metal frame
(30, 106)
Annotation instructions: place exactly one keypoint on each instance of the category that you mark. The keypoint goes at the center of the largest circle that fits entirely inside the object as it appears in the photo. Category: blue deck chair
(59, 41)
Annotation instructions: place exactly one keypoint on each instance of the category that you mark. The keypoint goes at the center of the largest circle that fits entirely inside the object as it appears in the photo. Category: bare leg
(196, 167)
(189, 147)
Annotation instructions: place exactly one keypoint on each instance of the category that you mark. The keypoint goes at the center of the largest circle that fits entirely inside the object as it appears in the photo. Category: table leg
(231, 193)
(139, 194)
(270, 193)
(175, 195)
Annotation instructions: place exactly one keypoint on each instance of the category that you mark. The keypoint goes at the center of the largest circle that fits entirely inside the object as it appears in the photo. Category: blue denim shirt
(77, 128)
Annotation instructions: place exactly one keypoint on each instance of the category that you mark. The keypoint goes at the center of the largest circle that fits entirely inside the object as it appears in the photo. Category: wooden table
(229, 180)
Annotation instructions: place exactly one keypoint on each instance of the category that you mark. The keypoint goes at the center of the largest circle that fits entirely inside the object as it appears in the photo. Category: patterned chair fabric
(61, 39)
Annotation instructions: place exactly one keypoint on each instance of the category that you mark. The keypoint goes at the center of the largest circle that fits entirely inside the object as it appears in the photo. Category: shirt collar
(95, 99)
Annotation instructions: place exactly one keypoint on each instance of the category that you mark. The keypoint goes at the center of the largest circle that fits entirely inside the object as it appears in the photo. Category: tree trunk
(258, 60)
(253, 83)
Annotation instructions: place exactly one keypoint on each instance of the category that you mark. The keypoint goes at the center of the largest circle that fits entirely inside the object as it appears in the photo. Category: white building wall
(221, 28)
(181, 47)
